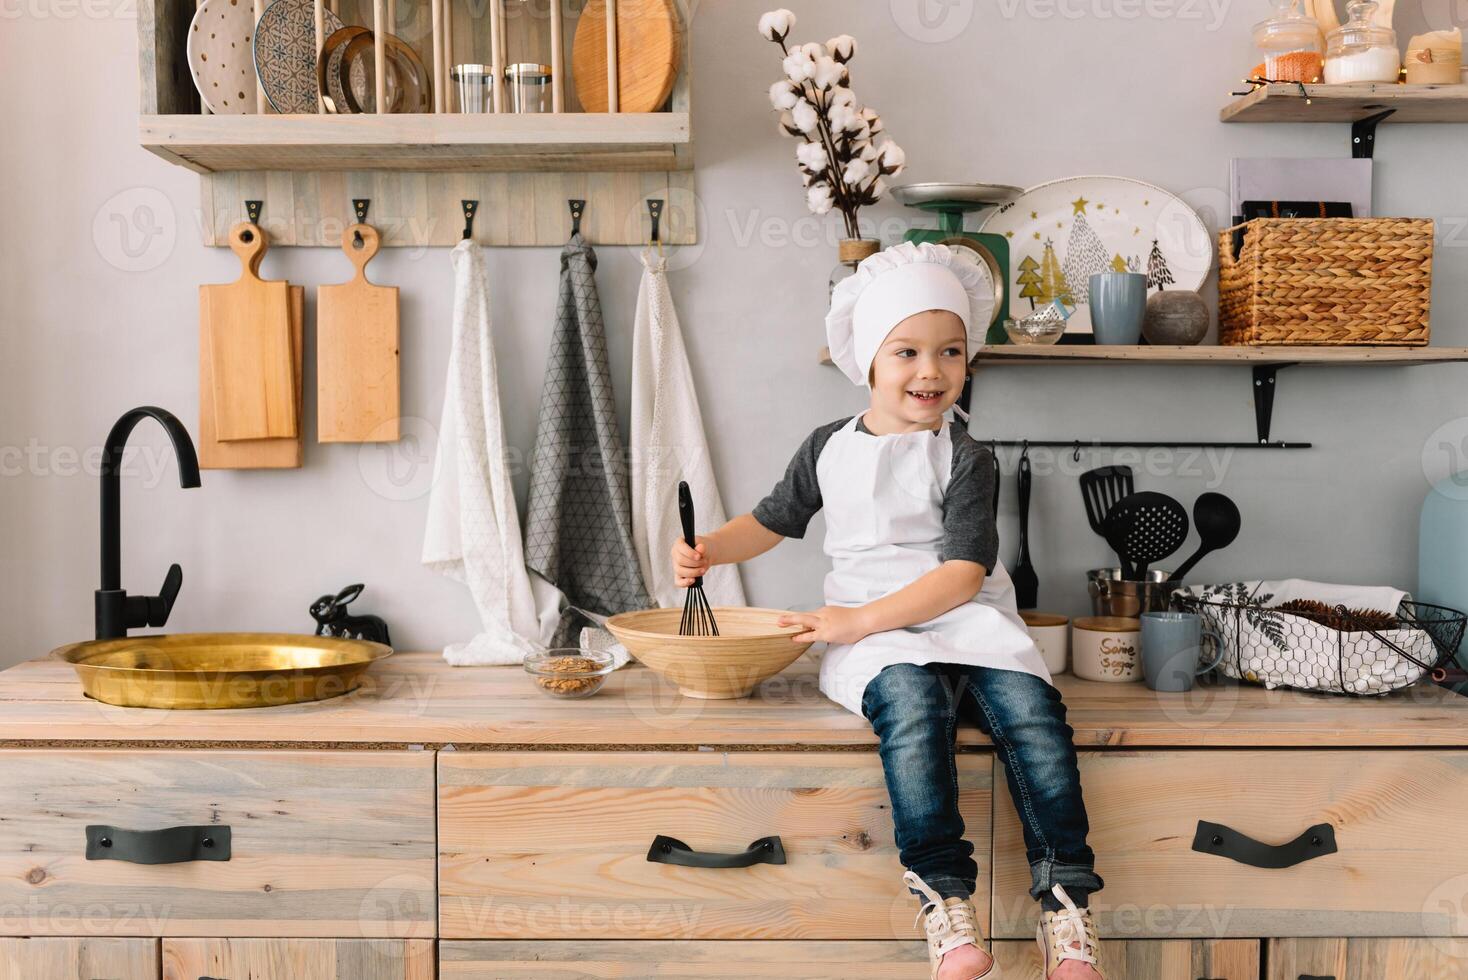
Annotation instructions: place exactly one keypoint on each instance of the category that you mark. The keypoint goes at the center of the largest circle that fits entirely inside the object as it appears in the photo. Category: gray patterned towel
(578, 523)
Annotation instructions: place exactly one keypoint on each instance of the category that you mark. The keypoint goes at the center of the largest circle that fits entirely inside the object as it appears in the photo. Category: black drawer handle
(1215, 838)
(170, 845)
(1311, 976)
(670, 850)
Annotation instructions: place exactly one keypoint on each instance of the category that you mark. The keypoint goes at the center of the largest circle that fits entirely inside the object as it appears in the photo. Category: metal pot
(1113, 596)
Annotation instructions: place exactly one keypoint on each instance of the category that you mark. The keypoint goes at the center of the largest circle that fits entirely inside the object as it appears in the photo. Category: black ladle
(1218, 521)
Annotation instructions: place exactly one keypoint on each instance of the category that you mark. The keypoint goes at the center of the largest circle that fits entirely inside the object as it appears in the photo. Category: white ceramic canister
(1107, 648)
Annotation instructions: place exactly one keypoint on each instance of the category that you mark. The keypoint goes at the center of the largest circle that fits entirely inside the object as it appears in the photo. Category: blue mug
(1118, 303)
(1172, 646)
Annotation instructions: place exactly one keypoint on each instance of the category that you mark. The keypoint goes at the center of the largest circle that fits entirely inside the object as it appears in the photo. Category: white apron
(883, 501)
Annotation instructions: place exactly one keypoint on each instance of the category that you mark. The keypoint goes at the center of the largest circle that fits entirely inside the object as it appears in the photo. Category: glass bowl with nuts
(569, 673)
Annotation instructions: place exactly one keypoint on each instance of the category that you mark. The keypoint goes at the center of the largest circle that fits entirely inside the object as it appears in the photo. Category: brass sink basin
(219, 670)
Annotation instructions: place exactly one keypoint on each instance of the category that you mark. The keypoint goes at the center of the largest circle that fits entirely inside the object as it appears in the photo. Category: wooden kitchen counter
(416, 699)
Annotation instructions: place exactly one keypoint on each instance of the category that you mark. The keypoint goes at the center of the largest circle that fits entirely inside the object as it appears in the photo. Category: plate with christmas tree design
(1064, 231)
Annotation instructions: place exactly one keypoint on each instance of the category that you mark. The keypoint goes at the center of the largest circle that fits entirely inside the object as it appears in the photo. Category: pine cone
(1351, 621)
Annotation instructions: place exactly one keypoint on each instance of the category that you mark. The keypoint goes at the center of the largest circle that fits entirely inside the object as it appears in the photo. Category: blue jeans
(914, 710)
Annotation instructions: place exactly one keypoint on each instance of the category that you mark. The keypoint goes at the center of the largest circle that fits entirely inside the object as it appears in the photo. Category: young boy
(920, 620)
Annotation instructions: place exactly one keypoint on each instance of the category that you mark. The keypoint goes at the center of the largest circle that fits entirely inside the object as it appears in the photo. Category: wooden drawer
(78, 959)
(599, 960)
(1147, 959)
(321, 843)
(1394, 816)
(558, 845)
(1368, 959)
(298, 959)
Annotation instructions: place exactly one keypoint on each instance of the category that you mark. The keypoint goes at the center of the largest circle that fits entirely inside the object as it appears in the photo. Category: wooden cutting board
(357, 351)
(246, 454)
(648, 55)
(248, 325)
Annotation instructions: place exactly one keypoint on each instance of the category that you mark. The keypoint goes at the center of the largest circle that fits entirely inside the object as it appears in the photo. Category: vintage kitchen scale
(950, 202)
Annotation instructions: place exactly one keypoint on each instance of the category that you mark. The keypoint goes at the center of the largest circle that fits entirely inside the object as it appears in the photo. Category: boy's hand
(831, 624)
(690, 563)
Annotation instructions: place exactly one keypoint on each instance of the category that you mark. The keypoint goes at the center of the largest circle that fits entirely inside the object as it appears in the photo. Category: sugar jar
(1361, 50)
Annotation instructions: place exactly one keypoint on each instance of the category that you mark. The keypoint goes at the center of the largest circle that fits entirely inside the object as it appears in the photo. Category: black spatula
(1102, 488)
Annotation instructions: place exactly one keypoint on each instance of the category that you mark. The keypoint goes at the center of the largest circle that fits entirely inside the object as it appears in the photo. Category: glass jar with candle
(1291, 44)
(1361, 50)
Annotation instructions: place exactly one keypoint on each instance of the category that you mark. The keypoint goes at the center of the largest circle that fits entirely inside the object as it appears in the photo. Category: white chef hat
(892, 285)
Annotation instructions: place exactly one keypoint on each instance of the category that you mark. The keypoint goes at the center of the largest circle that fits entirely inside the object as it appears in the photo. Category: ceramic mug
(1051, 634)
(1172, 646)
(1106, 648)
(1118, 303)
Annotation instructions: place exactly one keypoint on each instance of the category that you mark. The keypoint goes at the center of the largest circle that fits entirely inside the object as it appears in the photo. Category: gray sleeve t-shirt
(969, 533)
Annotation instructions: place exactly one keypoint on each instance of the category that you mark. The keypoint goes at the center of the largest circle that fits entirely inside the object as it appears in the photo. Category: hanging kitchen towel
(668, 445)
(473, 533)
(578, 525)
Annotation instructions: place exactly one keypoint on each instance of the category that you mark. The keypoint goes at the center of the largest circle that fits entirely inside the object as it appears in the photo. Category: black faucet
(117, 612)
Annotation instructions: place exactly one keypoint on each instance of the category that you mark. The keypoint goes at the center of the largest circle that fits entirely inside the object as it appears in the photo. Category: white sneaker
(949, 924)
(1068, 934)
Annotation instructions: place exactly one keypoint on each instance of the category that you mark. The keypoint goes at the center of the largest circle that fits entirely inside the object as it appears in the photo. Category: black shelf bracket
(1264, 399)
(1363, 135)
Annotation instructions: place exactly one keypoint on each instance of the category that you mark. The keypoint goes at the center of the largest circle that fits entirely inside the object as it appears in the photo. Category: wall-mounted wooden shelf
(1145, 354)
(1282, 102)
(522, 169)
(1265, 363)
(422, 142)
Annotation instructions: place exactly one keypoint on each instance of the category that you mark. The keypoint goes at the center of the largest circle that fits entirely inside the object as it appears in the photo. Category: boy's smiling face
(918, 373)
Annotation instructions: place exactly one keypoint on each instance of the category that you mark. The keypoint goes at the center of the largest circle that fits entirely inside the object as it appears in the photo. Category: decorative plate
(285, 53)
(1062, 232)
(219, 57)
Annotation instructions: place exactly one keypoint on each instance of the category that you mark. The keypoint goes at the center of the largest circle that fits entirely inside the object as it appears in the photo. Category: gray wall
(1017, 91)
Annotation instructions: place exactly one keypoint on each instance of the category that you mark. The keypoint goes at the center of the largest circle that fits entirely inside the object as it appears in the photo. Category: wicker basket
(1326, 281)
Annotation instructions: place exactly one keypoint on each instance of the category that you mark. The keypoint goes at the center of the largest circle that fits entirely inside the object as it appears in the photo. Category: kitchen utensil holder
(1326, 281)
(1281, 648)
(1112, 595)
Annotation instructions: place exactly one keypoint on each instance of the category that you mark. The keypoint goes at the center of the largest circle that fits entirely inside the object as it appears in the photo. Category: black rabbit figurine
(330, 613)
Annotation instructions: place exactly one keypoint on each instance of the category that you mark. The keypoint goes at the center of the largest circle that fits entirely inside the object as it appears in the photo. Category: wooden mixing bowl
(749, 649)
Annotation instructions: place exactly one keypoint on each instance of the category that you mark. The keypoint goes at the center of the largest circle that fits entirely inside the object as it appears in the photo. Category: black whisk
(698, 615)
